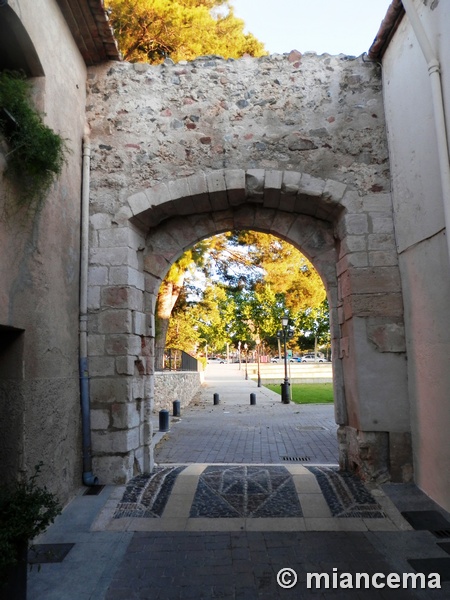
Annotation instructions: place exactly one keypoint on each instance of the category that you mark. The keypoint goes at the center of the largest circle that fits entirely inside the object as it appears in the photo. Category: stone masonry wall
(317, 114)
(173, 386)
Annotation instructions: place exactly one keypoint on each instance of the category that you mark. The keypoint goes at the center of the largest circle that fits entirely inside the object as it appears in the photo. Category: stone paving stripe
(183, 492)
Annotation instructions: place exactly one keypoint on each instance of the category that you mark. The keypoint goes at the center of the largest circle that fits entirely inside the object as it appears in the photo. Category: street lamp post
(246, 360)
(285, 333)
(258, 354)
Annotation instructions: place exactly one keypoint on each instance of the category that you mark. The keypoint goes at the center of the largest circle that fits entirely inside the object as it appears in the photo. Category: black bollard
(252, 399)
(216, 399)
(164, 420)
(176, 408)
(285, 392)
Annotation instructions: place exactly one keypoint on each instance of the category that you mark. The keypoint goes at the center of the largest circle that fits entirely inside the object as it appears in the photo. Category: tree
(262, 277)
(284, 268)
(211, 257)
(152, 30)
(195, 320)
(315, 322)
(257, 313)
(183, 332)
(214, 315)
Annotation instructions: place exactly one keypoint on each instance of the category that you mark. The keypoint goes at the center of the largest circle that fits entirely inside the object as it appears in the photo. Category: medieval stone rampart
(290, 145)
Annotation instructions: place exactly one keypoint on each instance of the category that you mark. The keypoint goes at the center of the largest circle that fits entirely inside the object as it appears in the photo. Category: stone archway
(348, 238)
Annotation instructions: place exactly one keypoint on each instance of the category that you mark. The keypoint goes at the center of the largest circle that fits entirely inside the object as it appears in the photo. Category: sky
(332, 26)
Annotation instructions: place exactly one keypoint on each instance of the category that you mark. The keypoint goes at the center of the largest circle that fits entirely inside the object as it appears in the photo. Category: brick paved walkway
(236, 432)
(244, 566)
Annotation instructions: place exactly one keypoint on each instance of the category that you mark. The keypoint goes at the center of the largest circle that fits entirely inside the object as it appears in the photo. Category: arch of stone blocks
(350, 240)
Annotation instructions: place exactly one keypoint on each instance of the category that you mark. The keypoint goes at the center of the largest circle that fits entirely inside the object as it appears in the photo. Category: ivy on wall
(36, 153)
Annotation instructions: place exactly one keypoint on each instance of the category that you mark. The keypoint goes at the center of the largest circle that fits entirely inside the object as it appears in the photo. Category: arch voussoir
(217, 189)
(235, 182)
(180, 193)
(151, 206)
(245, 217)
(203, 225)
(273, 182)
(198, 188)
(254, 185)
(221, 189)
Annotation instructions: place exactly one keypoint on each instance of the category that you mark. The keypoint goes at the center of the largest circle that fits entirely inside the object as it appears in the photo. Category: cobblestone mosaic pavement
(245, 491)
(345, 494)
(146, 495)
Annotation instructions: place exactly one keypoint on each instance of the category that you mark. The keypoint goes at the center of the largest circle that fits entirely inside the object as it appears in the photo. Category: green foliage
(25, 511)
(183, 332)
(249, 281)
(213, 315)
(284, 268)
(37, 153)
(308, 393)
(257, 313)
(314, 322)
(152, 30)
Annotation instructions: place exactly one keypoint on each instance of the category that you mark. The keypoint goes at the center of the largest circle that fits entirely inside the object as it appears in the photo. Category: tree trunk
(167, 297)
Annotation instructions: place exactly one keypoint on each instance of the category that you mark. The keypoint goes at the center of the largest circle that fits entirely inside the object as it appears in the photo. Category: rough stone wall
(173, 386)
(322, 115)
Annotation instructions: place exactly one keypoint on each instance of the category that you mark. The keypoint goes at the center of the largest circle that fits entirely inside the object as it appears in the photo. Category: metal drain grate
(429, 520)
(441, 533)
(296, 458)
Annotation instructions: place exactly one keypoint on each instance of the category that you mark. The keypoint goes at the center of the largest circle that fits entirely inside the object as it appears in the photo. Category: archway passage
(335, 228)
(223, 301)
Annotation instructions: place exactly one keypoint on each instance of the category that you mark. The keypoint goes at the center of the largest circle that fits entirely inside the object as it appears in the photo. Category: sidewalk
(221, 528)
(234, 431)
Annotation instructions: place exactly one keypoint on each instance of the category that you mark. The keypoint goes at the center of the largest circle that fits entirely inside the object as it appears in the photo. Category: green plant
(36, 153)
(25, 511)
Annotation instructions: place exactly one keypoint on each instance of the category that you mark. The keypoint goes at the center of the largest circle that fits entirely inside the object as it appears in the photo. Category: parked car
(216, 359)
(274, 360)
(295, 359)
(310, 358)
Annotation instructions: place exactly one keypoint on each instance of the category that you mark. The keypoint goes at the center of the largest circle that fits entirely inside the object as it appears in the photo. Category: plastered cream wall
(421, 239)
(39, 271)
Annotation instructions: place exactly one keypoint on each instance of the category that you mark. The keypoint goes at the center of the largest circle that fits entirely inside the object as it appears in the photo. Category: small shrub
(36, 153)
(25, 511)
